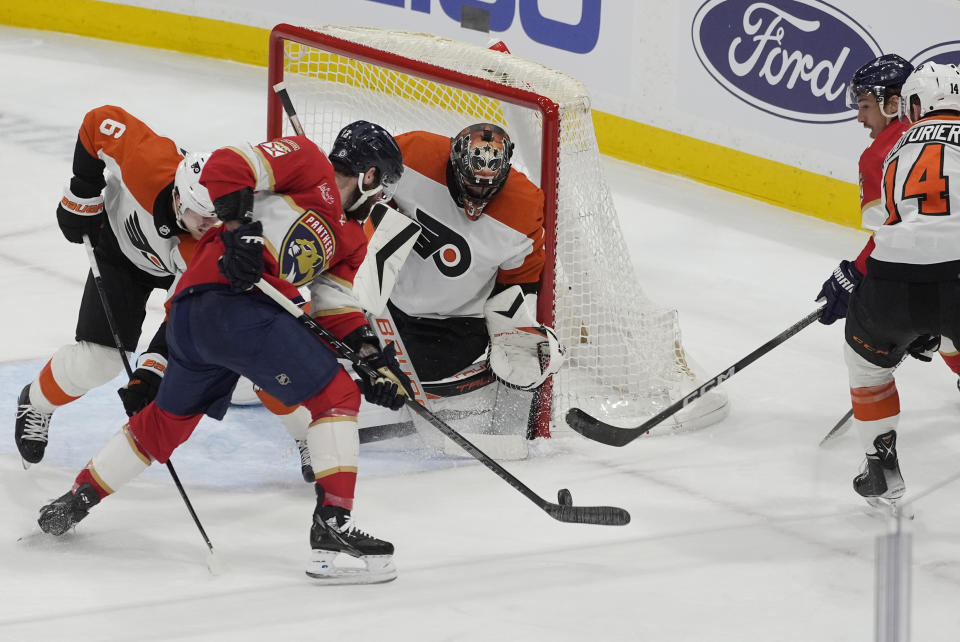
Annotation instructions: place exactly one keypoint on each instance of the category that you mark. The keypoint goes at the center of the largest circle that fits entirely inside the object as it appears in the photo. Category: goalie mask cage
(625, 361)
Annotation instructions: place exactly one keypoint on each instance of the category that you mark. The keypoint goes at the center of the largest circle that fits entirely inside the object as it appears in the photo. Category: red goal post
(625, 360)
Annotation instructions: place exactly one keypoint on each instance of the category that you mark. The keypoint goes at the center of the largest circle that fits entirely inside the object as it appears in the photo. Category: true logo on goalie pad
(307, 249)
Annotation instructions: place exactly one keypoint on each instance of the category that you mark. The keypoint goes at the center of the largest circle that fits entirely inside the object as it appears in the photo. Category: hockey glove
(235, 206)
(523, 353)
(143, 386)
(78, 216)
(242, 260)
(924, 347)
(836, 291)
(390, 387)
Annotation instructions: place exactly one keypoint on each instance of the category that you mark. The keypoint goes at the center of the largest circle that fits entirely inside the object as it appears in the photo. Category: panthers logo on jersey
(307, 249)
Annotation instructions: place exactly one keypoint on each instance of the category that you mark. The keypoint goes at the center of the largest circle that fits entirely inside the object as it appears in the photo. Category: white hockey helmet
(934, 87)
(186, 186)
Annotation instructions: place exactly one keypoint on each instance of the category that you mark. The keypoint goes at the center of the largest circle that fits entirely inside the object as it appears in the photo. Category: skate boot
(31, 429)
(880, 481)
(332, 533)
(305, 468)
(63, 513)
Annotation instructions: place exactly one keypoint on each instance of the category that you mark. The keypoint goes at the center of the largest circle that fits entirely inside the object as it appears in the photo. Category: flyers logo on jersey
(449, 250)
(277, 148)
(307, 249)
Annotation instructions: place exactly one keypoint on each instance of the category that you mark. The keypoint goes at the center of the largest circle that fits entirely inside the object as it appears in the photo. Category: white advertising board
(764, 77)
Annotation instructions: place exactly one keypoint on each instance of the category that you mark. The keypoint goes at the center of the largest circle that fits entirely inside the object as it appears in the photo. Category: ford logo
(789, 58)
(946, 53)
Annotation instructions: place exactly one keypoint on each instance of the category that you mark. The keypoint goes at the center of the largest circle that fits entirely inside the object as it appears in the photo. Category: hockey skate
(880, 481)
(305, 468)
(333, 532)
(62, 514)
(31, 429)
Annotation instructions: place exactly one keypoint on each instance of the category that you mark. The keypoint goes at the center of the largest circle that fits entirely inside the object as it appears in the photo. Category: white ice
(746, 531)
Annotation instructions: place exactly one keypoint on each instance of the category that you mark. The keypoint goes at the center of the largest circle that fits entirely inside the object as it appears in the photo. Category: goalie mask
(480, 160)
(191, 200)
(882, 77)
(933, 87)
(360, 146)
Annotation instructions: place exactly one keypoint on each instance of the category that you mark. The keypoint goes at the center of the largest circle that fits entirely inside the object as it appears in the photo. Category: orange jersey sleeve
(145, 159)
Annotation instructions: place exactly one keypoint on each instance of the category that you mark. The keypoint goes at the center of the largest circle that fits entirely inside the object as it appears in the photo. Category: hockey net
(625, 360)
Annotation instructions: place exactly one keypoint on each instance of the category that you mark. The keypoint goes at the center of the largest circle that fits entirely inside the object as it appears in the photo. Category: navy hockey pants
(216, 335)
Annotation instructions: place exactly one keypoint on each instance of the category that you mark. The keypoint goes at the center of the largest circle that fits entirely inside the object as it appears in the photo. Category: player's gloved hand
(242, 260)
(144, 384)
(836, 291)
(235, 206)
(924, 347)
(390, 387)
(78, 216)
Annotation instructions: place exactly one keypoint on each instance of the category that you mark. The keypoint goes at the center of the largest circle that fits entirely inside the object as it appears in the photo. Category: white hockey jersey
(456, 262)
(923, 214)
(140, 168)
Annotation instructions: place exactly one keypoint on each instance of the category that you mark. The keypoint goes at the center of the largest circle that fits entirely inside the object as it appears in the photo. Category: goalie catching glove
(523, 353)
(144, 384)
(389, 387)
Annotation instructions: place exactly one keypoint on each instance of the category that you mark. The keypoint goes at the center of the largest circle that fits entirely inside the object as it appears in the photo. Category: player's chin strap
(564, 511)
(364, 194)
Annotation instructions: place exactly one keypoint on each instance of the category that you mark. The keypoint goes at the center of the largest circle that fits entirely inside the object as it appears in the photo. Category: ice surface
(743, 532)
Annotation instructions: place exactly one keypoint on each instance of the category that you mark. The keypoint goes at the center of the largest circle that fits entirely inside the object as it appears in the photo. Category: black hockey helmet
(362, 145)
(480, 157)
(883, 77)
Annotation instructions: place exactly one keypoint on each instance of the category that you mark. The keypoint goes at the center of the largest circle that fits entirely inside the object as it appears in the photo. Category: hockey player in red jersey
(874, 91)
(910, 288)
(471, 282)
(291, 216)
(138, 199)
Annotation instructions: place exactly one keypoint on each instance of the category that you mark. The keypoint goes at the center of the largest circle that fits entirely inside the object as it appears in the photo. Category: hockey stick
(212, 563)
(593, 428)
(842, 426)
(281, 90)
(370, 434)
(564, 511)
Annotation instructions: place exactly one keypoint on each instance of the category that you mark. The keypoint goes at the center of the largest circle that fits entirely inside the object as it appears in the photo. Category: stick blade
(840, 428)
(593, 428)
(600, 515)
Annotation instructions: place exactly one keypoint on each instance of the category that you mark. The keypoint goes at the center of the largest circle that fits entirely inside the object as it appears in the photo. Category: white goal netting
(625, 357)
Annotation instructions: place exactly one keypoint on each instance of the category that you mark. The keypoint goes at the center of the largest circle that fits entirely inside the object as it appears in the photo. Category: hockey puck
(564, 497)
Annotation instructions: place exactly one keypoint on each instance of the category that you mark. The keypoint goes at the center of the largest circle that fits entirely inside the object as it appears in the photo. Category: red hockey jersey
(308, 241)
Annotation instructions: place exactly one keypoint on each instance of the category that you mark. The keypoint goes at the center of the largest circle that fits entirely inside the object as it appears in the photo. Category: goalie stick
(213, 563)
(592, 428)
(563, 511)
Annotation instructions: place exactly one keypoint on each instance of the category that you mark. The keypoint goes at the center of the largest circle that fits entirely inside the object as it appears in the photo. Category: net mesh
(625, 360)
